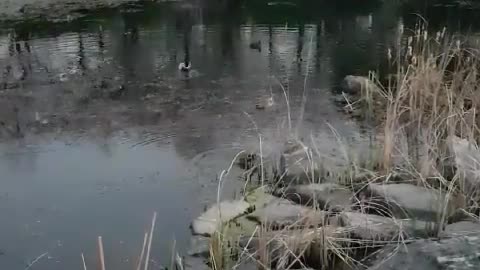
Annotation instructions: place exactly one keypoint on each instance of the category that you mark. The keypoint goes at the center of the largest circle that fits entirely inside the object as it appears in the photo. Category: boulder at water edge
(461, 228)
(467, 160)
(352, 84)
(458, 253)
(410, 201)
(373, 227)
(328, 196)
(280, 213)
(211, 220)
(285, 244)
(199, 246)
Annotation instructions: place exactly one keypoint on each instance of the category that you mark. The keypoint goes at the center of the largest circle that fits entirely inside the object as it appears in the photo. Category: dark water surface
(98, 128)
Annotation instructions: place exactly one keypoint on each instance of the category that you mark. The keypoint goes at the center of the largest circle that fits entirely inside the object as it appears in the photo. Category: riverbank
(56, 10)
(99, 129)
(415, 193)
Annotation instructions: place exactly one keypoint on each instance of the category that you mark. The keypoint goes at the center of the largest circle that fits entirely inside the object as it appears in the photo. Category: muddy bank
(57, 10)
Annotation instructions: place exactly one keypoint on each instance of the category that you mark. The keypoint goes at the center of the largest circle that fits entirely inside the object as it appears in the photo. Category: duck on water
(185, 66)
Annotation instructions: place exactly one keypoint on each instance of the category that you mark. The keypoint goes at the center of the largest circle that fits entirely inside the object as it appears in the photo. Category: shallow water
(109, 131)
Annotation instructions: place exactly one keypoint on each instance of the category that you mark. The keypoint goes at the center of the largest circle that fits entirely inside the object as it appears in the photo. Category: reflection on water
(58, 197)
(109, 130)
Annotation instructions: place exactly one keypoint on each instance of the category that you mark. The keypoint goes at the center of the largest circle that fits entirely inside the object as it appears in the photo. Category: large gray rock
(409, 201)
(194, 263)
(373, 227)
(280, 213)
(328, 196)
(458, 253)
(199, 246)
(467, 160)
(352, 84)
(461, 228)
(293, 165)
(212, 219)
(285, 244)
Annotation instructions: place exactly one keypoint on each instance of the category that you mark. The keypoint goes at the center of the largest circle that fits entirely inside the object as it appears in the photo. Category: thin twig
(220, 182)
(100, 253)
(36, 260)
(172, 260)
(288, 105)
(180, 262)
(304, 95)
(147, 257)
(84, 264)
(145, 238)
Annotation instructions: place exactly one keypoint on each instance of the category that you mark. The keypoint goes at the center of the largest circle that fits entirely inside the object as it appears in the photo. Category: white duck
(185, 66)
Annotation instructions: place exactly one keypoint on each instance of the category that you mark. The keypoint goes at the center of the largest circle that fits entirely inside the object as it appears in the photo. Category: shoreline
(56, 11)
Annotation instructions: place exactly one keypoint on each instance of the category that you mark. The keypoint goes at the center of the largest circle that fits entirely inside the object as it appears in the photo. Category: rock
(409, 201)
(461, 215)
(210, 221)
(199, 246)
(292, 236)
(195, 263)
(459, 253)
(260, 197)
(247, 264)
(356, 84)
(467, 160)
(340, 100)
(280, 213)
(328, 196)
(282, 245)
(373, 227)
(294, 166)
(461, 228)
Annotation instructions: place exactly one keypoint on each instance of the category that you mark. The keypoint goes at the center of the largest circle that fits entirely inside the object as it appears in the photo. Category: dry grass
(146, 247)
(431, 96)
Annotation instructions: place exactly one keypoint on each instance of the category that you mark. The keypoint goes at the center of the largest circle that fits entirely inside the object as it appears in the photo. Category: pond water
(99, 129)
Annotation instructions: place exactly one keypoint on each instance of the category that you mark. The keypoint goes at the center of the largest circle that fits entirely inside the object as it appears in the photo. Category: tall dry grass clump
(431, 96)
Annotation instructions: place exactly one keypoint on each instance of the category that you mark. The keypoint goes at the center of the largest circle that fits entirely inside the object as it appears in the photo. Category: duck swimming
(257, 45)
(185, 66)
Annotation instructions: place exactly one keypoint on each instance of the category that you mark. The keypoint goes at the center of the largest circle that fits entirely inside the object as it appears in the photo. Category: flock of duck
(186, 65)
